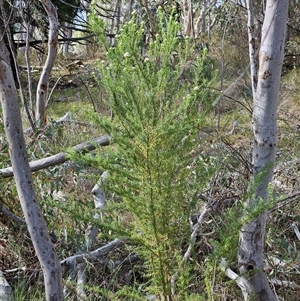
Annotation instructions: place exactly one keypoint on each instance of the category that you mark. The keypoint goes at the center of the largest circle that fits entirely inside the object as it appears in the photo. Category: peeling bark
(188, 20)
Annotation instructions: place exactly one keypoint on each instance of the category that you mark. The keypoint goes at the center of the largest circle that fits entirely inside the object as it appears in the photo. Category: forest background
(145, 108)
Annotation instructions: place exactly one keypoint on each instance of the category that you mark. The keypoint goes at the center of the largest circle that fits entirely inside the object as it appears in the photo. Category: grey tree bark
(188, 20)
(115, 22)
(60, 157)
(23, 179)
(202, 24)
(5, 289)
(265, 76)
(41, 94)
(67, 33)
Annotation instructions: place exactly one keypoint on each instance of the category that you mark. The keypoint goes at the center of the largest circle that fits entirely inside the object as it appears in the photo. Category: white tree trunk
(67, 32)
(24, 183)
(265, 85)
(42, 88)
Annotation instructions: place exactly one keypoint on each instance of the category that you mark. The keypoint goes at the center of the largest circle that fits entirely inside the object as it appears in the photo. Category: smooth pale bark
(60, 157)
(42, 88)
(265, 84)
(22, 174)
(196, 27)
(200, 23)
(5, 289)
(94, 255)
(67, 33)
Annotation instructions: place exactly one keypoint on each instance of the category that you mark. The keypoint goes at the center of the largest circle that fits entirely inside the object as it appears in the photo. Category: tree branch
(94, 255)
(62, 40)
(60, 157)
(13, 216)
(296, 230)
(240, 281)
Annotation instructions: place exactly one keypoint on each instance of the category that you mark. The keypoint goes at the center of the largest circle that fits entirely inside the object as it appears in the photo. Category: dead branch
(187, 254)
(285, 283)
(5, 289)
(231, 86)
(296, 230)
(94, 255)
(240, 280)
(60, 157)
(285, 201)
(14, 217)
(62, 40)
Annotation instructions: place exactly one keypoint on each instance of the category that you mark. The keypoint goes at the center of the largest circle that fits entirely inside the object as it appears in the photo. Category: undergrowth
(160, 98)
(156, 117)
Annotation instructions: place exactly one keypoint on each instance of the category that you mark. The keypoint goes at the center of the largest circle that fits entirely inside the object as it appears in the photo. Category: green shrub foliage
(158, 94)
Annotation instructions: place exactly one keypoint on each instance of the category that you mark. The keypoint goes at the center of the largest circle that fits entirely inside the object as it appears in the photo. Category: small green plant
(155, 93)
(24, 291)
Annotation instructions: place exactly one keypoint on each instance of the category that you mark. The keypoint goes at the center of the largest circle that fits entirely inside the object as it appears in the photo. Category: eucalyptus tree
(17, 150)
(41, 92)
(266, 62)
(24, 19)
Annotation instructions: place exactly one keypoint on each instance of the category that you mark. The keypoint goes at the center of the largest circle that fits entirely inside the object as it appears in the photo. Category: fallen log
(60, 157)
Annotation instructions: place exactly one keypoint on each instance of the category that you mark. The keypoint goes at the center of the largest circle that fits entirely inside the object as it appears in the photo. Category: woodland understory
(142, 203)
(67, 197)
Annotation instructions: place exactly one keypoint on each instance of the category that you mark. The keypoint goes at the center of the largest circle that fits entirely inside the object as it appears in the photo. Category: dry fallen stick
(285, 201)
(73, 262)
(240, 280)
(284, 283)
(60, 157)
(94, 255)
(296, 230)
(5, 289)
(187, 254)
